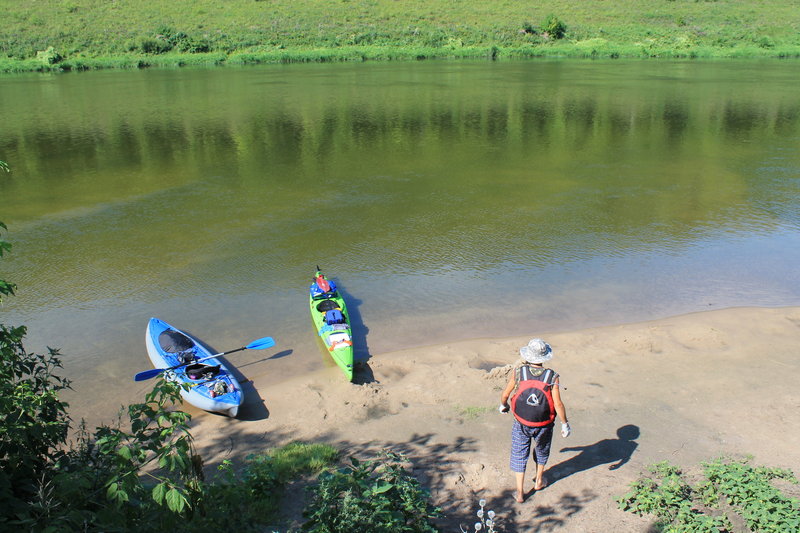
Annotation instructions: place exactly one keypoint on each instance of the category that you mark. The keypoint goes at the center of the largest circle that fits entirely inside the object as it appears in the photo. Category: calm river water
(449, 200)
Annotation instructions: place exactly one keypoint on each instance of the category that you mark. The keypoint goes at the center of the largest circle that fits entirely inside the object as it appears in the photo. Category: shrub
(35, 420)
(681, 507)
(553, 27)
(377, 495)
(166, 40)
(749, 490)
(49, 56)
(765, 42)
(192, 45)
(150, 45)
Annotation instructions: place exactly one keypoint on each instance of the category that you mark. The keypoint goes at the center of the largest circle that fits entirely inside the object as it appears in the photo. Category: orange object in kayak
(322, 283)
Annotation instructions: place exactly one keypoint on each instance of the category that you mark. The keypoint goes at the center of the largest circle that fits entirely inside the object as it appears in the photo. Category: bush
(747, 491)
(370, 496)
(194, 46)
(167, 39)
(35, 420)
(150, 45)
(49, 56)
(553, 27)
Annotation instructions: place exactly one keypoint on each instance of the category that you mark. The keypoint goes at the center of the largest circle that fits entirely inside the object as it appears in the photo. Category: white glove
(565, 429)
(503, 408)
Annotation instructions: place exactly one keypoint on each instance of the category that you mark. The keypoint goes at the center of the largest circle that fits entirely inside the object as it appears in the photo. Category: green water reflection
(450, 199)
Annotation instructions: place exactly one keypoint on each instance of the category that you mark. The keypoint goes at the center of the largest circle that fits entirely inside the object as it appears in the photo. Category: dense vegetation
(145, 475)
(80, 34)
(728, 492)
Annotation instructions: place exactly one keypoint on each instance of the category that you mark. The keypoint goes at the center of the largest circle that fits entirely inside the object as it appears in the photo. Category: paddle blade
(260, 344)
(147, 374)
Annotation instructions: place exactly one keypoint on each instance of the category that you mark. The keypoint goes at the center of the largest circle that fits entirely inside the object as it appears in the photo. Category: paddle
(259, 344)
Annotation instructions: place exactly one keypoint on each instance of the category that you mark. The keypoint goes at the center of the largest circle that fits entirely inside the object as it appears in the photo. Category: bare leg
(520, 495)
(539, 483)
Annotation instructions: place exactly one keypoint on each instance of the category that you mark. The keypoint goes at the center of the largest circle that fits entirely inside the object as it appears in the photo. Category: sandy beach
(683, 389)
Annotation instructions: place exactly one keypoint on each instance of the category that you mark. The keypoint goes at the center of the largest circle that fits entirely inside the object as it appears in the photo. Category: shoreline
(381, 54)
(685, 389)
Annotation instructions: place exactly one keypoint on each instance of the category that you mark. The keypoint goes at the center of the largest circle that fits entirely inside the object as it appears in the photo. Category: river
(448, 199)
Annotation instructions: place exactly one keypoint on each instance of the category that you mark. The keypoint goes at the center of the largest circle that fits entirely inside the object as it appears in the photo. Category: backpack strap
(520, 375)
(550, 376)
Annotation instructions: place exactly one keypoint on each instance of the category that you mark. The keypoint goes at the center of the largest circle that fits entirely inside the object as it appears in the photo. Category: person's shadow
(617, 451)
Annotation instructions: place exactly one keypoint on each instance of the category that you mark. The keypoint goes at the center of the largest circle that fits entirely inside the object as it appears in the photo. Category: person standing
(535, 400)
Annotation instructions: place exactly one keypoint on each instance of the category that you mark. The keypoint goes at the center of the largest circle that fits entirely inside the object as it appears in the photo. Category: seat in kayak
(327, 305)
(200, 371)
(172, 341)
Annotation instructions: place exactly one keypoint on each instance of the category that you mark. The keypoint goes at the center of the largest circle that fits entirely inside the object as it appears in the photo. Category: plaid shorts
(521, 437)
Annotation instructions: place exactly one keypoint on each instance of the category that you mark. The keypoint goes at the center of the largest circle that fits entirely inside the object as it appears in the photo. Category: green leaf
(175, 500)
(382, 487)
(159, 492)
(124, 452)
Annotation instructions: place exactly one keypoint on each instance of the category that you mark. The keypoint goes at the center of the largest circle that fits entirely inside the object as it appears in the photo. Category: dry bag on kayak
(334, 316)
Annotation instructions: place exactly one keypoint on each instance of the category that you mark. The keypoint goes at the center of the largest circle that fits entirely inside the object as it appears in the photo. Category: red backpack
(532, 404)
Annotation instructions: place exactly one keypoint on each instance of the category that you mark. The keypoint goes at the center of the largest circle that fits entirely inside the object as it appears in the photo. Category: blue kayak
(211, 385)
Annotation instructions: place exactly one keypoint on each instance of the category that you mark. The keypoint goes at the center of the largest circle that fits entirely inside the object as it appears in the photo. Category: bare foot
(540, 484)
(518, 497)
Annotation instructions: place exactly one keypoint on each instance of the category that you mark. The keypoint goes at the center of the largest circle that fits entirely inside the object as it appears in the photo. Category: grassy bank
(88, 34)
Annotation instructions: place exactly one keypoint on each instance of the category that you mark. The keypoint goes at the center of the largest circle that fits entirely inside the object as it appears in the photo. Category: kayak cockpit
(178, 345)
(199, 371)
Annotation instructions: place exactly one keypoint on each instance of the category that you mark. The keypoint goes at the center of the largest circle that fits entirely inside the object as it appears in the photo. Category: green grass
(134, 33)
(251, 497)
(298, 458)
(473, 412)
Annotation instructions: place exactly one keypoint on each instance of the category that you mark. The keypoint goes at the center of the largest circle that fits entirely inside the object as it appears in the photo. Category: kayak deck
(211, 386)
(332, 324)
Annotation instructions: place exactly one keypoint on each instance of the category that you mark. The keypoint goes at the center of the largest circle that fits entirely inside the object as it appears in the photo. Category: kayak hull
(337, 339)
(217, 391)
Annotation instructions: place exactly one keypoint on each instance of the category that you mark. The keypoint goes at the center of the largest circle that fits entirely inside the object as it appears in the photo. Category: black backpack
(532, 404)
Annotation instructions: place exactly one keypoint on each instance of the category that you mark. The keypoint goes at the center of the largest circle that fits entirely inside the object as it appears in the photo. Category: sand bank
(683, 389)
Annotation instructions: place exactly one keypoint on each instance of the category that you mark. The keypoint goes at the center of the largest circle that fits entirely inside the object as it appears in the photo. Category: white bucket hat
(537, 351)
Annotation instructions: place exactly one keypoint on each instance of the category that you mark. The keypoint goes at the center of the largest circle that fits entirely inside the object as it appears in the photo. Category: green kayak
(331, 321)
